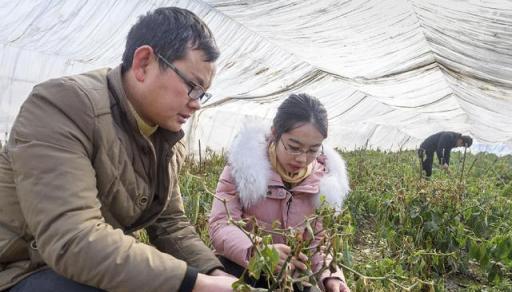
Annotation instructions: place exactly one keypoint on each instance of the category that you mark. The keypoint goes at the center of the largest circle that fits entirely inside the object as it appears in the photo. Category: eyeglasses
(295, 151)
(196, 91)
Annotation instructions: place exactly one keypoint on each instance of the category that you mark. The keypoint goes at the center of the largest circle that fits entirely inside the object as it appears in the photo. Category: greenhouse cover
(390, 72)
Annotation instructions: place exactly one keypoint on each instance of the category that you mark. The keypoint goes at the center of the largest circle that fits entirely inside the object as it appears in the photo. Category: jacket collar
(252, 172)
(309, 185)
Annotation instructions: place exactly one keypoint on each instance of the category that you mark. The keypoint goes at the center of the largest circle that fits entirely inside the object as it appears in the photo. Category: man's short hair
(170, 31)
(467, 141)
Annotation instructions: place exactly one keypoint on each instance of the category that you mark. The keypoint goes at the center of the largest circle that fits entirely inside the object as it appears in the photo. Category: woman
(278, 175)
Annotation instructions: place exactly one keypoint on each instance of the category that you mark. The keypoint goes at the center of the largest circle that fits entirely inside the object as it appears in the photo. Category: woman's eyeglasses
(295, 151)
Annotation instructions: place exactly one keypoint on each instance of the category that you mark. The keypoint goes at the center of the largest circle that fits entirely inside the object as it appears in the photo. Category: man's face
(165, 101)
(460, 142)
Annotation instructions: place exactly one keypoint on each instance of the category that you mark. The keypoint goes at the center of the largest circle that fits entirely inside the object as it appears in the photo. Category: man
(95, 157)
(441, 143)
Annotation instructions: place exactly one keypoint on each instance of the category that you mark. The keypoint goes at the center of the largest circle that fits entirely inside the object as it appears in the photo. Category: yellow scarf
(285, 175)
(144, 128)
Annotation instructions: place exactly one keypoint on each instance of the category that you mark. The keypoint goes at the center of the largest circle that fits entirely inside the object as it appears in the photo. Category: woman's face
(299, 147)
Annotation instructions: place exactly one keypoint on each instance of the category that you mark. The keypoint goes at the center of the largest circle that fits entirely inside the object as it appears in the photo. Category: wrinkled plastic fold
(389, 72)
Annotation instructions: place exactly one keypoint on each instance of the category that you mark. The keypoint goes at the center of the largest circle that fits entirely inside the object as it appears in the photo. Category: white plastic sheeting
(390, 72)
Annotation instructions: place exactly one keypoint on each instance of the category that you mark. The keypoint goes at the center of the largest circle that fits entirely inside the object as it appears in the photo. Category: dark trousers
(426, 158)
(49, 281)
(236, 270)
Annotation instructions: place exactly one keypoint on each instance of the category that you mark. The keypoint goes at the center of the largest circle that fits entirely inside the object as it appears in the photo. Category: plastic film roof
(390, 72)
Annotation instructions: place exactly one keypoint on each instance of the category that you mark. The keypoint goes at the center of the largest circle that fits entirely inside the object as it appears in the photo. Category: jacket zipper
(288, 209)
(154, 187)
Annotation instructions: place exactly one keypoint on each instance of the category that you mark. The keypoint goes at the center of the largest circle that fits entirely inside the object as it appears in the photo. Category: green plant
(452, 232)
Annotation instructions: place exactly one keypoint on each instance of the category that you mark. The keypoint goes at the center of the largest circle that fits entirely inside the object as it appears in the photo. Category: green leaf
(474, 250)
(241, 286)
(494, 274)
(347, 256)
(255, 266)
(267, 240)
(484, 256)
(310, 229)
(501, 251)
(431, 226)
(415, 212)
(271, 256)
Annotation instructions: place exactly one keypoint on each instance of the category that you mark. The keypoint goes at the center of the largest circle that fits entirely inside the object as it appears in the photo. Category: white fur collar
(252, 171)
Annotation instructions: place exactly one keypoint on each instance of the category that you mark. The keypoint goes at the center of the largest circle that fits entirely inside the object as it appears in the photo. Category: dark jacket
(77, 178)
(441, 143)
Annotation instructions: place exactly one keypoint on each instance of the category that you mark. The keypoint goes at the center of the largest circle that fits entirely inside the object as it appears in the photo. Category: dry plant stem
(472, 164)
(282, 274)
(385, 278)
(248, 234)
(463, 163)
(434, 253)
(382, 278)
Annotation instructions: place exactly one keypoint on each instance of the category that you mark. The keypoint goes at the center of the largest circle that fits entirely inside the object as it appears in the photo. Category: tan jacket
(77, 178)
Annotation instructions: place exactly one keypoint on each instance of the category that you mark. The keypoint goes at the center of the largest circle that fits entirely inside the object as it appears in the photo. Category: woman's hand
(335, 285)
(295, 263)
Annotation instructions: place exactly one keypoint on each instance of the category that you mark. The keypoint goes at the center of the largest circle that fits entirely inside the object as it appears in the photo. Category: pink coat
(253, 189)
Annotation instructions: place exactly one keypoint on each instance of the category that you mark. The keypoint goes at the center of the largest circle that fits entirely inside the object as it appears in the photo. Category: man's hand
(207, 283)
(335, 285)
(445, 167)
(219, 272)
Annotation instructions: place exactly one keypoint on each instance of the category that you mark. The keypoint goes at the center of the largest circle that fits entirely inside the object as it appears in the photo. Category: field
(450, 233)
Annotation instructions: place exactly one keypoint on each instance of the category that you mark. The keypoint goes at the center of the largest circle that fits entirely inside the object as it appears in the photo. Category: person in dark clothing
(442, 144)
